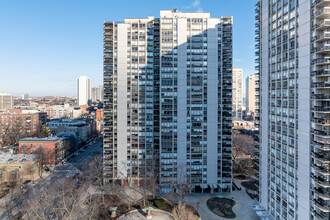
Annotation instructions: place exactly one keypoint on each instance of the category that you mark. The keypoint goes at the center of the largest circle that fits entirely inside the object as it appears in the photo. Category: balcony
(321, 146)
(322, 205)
(322, 170)
(322, 157)
(322, 13)
(227, 28)
(324, 49)
(322, 61)
(321, 215)
(322, 182)
(322, 195)
(323, 122)
(321, 96)
(323, 37)
(108, 33)
(321, 73)
(323, 25)
(322, 3)
(321, 85)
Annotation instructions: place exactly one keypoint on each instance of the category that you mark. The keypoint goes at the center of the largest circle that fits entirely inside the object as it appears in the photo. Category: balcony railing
(321, 146)
(322, 206)
(324, 72)
(322, 157)
(322, 61)
(322, 133)
(324, 49)
(321, 96)
(323, 37)
(323, 12)
(323, 25)
(322, 170)
(322, 181)
(321, 84)
(321, 3)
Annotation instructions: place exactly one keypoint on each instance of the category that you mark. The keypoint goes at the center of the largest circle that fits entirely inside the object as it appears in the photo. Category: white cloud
(196, 5)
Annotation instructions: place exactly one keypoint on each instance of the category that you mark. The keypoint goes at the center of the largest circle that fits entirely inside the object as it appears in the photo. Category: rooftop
(50, 139)
(9, 158)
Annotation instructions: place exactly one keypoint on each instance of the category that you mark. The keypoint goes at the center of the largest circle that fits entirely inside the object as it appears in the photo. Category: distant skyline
(47, 45)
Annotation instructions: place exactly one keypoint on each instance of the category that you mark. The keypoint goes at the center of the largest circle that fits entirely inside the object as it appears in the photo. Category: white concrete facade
(169, 89)
(250, 93)
(286, 94)
(6, 101)
(122, 102)
(84, 85)
(237, 92)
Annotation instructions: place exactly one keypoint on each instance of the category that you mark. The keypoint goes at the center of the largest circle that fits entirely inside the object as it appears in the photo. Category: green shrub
(160, 203)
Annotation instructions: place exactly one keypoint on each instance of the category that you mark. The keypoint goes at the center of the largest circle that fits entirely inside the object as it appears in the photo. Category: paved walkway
(242, 207)
(140, 215)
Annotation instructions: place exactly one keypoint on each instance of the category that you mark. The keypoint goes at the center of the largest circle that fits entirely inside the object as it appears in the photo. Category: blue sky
(45, 45)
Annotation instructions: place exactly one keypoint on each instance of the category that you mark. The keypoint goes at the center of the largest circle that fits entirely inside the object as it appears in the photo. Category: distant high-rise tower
(6, 101)
(237, 92)
(97, 93)
(84, 90)
(293, 42)
(250, 93)
(168, 100)
(25, 96)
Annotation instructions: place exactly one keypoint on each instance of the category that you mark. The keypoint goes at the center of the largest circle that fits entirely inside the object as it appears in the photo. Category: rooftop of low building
(9, 158)
(50, 139)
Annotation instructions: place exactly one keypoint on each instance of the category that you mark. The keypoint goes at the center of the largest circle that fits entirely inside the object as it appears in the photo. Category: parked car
(26, 181)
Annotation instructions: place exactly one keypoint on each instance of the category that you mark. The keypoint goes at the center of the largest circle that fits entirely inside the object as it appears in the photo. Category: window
(292, 4)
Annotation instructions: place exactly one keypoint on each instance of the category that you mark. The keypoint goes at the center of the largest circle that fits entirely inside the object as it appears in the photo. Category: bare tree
(58, 202)
(14, 198)
(183, 184)
(30, 170)
(183, 212)
(95, 168)
(4, 133)
(246, 142)
(243, 153)
(40, 161)
(17, 129)
(153, 183)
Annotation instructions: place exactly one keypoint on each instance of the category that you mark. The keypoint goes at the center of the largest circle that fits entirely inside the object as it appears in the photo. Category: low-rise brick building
(99, 120)
(49, 147)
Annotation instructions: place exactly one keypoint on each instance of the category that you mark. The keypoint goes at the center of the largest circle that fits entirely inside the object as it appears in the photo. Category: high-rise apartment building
(6, 101)
(293, 39)
(237, 92)
(84, 90)
(97, 93)
(25, 96)
(167, 101)
(250, 93)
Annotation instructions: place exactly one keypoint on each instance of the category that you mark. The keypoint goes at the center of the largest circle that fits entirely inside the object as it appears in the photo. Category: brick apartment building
(51, 148)
(99, 120)
(17, 123)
